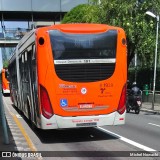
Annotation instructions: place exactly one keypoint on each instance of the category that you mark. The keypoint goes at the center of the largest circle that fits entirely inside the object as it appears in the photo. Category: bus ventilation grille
(84, 72)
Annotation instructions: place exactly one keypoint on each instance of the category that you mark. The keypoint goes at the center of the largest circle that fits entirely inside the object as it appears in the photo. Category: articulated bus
(71, 75)
(4, 82)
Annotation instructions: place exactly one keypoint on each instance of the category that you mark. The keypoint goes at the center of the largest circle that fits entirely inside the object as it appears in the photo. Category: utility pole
(135, 67)
(155, 56)
(3, 119)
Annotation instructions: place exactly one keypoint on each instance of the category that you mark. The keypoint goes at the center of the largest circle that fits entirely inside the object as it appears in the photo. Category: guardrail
(148, 97)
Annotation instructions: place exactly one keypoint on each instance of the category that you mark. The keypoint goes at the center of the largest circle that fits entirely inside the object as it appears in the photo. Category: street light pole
(135, 67)
(155, 58)
(155, 63)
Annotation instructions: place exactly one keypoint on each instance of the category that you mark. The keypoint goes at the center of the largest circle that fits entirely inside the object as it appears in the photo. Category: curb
(150, 111)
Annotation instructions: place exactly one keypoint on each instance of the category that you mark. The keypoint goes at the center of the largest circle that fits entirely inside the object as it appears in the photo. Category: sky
(16, 24)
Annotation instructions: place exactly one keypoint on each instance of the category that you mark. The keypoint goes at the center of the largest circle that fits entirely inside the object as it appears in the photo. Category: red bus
(71, 75)
(4, 82)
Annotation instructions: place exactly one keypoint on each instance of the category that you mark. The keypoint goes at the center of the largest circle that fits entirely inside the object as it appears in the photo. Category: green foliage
(82, 14)
(140, 28)
(144, 76)
(5, 64)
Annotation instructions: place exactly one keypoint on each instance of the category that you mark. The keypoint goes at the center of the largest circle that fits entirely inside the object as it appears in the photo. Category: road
(91, 141)
(143, 128)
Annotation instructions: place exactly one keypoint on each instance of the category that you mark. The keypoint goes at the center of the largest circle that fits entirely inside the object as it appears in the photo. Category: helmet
(134, 83)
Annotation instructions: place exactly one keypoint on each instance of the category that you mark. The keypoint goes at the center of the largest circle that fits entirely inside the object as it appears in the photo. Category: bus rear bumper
(56, 121)
(5, 91)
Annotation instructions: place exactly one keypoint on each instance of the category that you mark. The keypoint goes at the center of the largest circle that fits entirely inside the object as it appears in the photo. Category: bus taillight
(45, 103)
(4, 86)
(122, 101)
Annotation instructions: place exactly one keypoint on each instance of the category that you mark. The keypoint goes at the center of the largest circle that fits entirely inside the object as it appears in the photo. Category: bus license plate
(139, 102)
(86, 124)
(85, 106)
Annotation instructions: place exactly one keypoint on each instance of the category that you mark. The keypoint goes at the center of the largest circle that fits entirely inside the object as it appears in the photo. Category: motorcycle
(134, 102)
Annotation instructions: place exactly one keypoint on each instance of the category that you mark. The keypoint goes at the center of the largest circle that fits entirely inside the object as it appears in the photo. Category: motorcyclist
(135, 90)
(132, 97)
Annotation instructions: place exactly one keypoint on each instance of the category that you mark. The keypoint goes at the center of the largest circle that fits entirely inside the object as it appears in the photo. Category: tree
(130, 15)
(140, 29)
(82, 13)
(5, 64)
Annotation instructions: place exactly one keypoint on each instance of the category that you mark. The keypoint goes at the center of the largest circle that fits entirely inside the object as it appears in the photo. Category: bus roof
(81, 27)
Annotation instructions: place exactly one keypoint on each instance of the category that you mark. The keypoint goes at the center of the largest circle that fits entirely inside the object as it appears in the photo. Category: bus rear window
(83, 46)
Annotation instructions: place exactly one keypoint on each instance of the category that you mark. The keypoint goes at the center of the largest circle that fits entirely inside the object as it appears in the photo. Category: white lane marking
(154, 124)
(145, 148)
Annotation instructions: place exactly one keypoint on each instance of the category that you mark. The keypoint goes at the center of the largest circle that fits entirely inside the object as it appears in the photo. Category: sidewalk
(11, 147)
(147, 106)
(6, 147)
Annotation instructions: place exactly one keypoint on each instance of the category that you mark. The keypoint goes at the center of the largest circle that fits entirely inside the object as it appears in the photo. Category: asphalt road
(94, 142)
(143, 128)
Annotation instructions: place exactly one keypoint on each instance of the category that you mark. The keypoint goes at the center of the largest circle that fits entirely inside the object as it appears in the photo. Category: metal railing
(13, 33)
(148, 97)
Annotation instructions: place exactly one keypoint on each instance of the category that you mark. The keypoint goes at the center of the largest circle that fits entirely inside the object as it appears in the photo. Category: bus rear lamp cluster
(46, 106)
(122, 102)
(4, 86)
